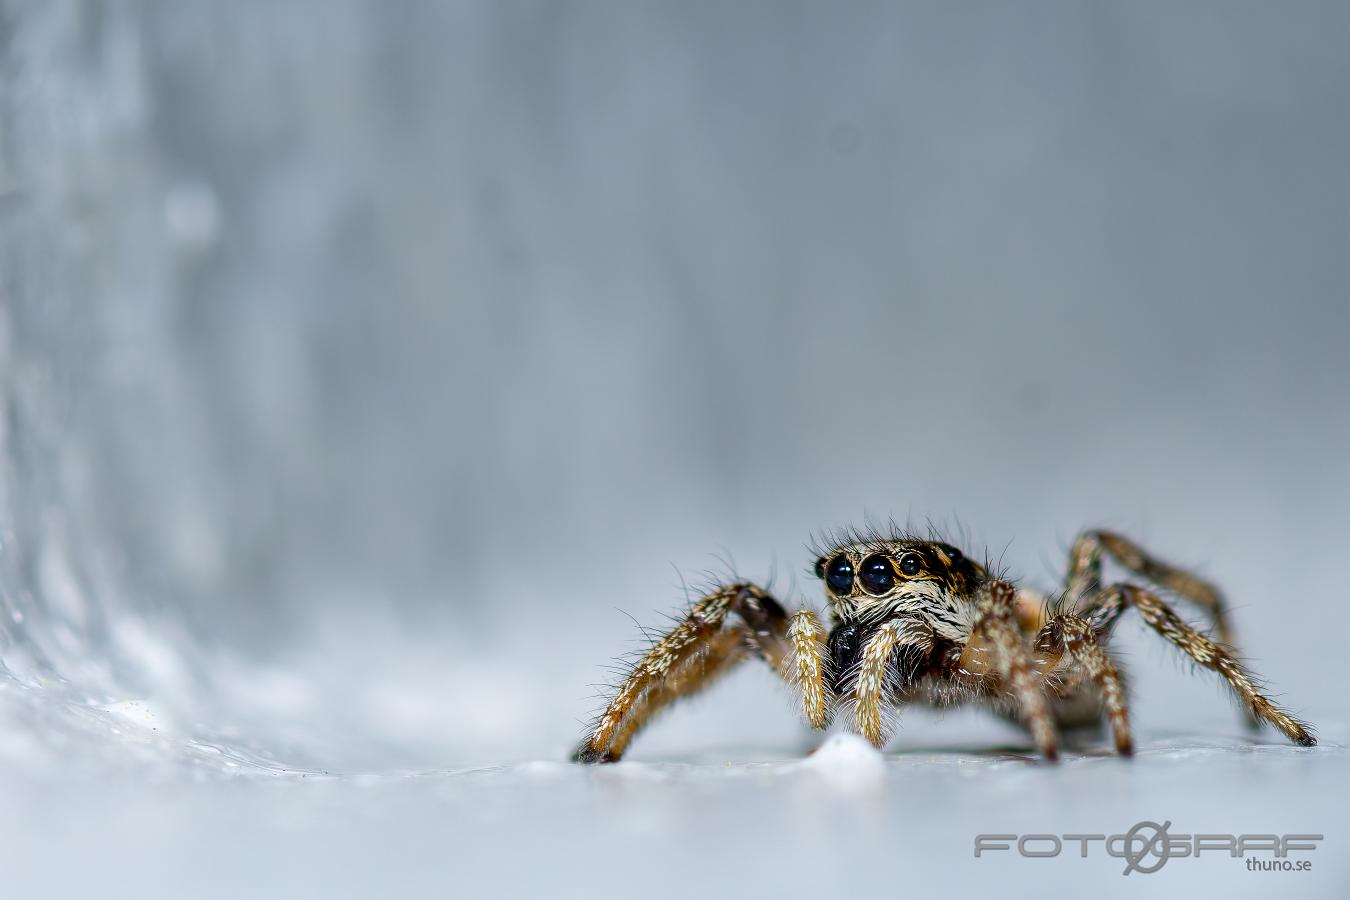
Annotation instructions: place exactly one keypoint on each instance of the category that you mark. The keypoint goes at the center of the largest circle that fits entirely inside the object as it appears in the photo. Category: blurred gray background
(362, 364)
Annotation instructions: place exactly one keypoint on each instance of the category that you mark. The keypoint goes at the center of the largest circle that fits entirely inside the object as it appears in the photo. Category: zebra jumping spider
(916, 620)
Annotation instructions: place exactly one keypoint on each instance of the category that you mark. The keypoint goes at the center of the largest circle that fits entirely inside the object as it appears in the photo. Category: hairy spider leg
(806, 666)
(997, 645)
(1084, 578)
(686, 659)
(878, 672)
(1068, 646)
(1107, 606)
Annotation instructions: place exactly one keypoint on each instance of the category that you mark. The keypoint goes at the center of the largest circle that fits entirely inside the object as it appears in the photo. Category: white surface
(846, 822)
(128, 800)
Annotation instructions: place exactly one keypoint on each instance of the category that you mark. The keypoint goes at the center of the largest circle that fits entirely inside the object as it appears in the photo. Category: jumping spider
(918, 620)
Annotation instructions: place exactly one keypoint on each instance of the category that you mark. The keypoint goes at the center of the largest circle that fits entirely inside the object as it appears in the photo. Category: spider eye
(839, 575)
(820, 567)
(876, 574)
(910, 564)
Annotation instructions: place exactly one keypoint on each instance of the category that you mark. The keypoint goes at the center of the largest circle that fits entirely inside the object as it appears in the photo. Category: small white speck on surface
(847, 760)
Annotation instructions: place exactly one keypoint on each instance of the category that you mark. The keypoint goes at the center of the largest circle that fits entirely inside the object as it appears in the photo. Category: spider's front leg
(807, 666)
(702, 646)
(889, 660)
(997, 647)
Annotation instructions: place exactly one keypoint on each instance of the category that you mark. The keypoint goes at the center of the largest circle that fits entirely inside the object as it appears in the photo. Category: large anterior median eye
(839, 575)
(876, 574)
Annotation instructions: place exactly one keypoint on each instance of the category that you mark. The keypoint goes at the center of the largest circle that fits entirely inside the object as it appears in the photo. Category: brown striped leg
(1208, 653)
(805, 666)
(876, 668)
(1073, 636)
(996, 646)
(687, 658)
(722, 652)
(1085, 577)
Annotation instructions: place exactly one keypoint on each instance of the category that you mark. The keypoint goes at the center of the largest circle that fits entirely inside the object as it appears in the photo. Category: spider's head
(879, 576)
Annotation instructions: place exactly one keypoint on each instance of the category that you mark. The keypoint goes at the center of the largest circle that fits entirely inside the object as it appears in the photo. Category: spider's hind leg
(1084, 581)
(701, 647)
(1208, 653)
(1085, 574)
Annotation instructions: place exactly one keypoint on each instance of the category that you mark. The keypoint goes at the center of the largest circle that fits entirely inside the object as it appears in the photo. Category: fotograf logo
(1147, 846)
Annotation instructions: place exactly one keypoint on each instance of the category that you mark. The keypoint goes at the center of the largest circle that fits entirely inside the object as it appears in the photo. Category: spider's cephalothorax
(918, 620)
(885, 579)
